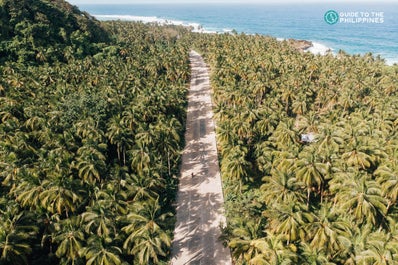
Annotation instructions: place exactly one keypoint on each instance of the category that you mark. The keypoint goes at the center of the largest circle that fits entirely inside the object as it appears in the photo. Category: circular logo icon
(331, 17)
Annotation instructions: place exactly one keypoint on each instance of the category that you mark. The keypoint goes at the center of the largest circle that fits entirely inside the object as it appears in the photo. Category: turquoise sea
(359, 28)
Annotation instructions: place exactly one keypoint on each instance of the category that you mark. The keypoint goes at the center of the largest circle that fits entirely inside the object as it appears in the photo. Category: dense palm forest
(92, 120)
(309, 152)
(90, 137)
(47, 31)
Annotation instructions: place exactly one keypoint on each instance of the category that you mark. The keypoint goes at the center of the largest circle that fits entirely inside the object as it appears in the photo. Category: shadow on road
(200, 199)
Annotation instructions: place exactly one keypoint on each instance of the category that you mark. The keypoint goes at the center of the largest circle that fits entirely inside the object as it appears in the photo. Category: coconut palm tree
(272, 251)
(380, 250)
(28, 190)
(70, 239)
(16, 233)
(100, 252)
(283, 136)
(120, 136)
(168, 139)
(344, 170)
(329, 232)
(59, 196)
(387, 177)
(141, 187)
(244, 234)
(282, 186)
(330, 139)
(146, 239)
(289, 221)
(72, 135)
(362, 197)
(99, 217)
(236, 166)
(313, 256)
(90, 164)
(141, 160)
(312, 172)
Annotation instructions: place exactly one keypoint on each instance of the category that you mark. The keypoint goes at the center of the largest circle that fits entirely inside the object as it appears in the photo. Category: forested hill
(41, 30)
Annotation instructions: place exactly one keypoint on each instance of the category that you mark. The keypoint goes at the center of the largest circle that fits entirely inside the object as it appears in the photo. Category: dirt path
(200, 202)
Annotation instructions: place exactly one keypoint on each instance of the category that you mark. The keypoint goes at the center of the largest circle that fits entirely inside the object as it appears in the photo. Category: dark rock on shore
(300, 45)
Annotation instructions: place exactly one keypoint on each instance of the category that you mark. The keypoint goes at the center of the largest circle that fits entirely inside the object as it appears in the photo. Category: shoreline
(314, 47)
(309, 46)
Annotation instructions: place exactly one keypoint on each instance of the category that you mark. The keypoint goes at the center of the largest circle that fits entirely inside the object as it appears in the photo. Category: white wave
(319, 48)
(196, 27)
(130, 18)
(391, 61)
(316, 48)
(227, 30)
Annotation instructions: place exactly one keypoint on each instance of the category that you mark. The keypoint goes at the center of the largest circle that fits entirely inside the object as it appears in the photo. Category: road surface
(200, 202)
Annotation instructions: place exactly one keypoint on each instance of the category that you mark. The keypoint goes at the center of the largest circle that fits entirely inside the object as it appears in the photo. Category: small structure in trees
(308, 138)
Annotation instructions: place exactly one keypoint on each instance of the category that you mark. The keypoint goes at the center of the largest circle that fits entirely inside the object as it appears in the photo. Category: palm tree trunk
(124, 156)
(118, 151)
(168, 162)
(321, 195)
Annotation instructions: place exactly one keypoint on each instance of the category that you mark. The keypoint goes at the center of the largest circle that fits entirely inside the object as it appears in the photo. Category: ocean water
(360, 28)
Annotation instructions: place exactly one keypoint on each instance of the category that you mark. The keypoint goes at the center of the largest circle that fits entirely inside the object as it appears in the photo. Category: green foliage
(90, 149)
(17, 231)
(42, 31)
(90, 143)
(329, 201)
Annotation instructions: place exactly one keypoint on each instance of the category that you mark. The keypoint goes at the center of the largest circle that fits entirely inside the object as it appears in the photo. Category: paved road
(200, 199)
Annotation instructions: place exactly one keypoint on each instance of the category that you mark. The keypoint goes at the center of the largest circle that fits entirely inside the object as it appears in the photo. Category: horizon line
(236, 2)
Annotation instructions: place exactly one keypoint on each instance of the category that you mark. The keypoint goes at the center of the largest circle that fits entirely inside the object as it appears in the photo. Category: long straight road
(200, 202)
